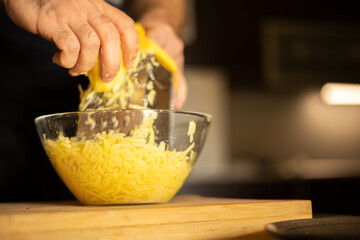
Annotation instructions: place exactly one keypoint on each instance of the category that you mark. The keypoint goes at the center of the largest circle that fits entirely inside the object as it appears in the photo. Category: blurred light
(341, 94)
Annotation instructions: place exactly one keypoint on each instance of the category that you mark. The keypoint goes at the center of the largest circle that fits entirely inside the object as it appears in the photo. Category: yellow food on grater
(111, 167)
(125, 90)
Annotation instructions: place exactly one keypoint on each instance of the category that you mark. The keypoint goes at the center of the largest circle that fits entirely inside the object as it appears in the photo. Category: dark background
(229, 32)
(228, 36)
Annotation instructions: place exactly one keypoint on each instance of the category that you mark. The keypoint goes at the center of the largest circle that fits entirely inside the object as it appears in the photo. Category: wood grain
(186, 217)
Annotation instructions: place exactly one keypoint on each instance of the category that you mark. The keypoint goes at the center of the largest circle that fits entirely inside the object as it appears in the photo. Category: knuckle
(128, 24)
(127, 29)
(91, 39)
(112, 34)
(69, 42)
(73, 46)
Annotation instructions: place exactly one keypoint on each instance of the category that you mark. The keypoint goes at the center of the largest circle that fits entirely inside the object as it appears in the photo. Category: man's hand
(81, 29)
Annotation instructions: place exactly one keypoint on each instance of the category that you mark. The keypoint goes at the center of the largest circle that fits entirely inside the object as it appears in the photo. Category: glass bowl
(123, 156)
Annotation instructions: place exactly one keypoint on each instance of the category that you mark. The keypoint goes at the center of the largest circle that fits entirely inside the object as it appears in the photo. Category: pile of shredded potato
(113, 168)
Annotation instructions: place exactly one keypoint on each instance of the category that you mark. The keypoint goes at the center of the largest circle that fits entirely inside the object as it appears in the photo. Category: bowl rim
(207, 116)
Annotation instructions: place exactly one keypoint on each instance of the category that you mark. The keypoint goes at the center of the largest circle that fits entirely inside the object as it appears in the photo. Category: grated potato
(113, 168)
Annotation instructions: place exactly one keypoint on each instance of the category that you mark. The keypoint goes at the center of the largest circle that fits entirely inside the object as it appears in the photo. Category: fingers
(85, 29)
(77, 41)
(110, 54)
(128, 35)
(89, 48)
(69, 46)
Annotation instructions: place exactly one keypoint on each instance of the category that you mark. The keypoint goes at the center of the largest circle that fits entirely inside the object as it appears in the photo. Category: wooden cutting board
(185, 217)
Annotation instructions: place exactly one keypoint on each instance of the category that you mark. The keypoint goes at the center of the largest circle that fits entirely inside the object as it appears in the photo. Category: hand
(164, 35)
(81, 29)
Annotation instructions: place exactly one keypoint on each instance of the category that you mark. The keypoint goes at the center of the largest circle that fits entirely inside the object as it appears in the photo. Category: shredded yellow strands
(114, 168)
(191, 131)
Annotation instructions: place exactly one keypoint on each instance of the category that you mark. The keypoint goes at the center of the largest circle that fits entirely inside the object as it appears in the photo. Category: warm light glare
(341, 93)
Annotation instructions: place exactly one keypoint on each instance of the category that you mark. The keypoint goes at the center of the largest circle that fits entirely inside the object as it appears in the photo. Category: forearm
(169, 11)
